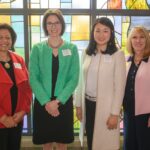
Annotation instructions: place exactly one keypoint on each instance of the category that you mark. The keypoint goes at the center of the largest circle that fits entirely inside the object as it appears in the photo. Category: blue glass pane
(81, 44)
(18, 18)
(17, 4)
(20, 40)
(118, 29)
(68, 28)
(140, 21)
(65, 5)
(65, 1)
(18, 27)
(67, 19)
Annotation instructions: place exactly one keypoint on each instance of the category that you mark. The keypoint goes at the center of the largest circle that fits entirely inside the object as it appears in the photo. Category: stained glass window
(79, 16)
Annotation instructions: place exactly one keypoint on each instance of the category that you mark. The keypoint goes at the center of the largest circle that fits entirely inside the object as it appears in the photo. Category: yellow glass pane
(4, 5)
(80, 28)
(136, 4)
(125, 27)
(4, 19)
(35, 20)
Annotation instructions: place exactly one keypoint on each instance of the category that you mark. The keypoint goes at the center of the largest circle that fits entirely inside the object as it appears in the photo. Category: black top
(129, 98)
(55, 68)
(14, 89)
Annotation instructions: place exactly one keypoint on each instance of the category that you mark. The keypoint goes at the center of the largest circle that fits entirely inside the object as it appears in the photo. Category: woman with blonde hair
(137, 94)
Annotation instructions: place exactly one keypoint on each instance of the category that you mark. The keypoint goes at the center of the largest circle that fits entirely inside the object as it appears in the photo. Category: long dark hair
(12, 33)
(111, 46)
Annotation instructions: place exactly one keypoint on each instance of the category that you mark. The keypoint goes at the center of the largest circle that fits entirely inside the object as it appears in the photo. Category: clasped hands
(52, 108)
(12, 121)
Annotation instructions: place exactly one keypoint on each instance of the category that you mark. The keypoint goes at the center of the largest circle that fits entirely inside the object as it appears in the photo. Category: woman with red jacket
(15, 92)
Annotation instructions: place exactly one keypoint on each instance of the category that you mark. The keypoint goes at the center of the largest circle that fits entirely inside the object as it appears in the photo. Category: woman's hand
(18, 117)
(112, 122)
(8, 121)
(79, 113)
(52, 108)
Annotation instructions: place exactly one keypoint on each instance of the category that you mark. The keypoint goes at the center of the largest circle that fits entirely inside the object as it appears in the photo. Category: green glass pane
(66, 36)
(20, 51)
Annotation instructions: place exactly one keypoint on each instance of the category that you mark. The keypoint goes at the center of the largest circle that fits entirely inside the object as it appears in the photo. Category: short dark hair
(58, 14)
(12, 33)
(111, 46)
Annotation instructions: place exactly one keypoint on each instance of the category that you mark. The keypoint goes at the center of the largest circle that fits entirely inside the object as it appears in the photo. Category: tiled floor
(28, 145)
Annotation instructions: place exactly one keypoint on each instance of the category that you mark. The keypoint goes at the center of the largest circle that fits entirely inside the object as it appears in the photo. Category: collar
(131, 59)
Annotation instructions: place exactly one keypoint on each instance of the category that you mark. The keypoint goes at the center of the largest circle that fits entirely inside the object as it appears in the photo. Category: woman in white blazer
(137, 92)
(100, 91)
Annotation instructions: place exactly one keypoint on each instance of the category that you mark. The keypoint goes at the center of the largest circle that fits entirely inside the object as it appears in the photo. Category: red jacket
(22, 83)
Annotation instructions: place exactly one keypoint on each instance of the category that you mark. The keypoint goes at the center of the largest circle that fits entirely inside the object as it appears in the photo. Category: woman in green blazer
(54, 72)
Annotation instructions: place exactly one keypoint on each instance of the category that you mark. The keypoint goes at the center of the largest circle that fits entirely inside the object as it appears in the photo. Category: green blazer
(40, 72)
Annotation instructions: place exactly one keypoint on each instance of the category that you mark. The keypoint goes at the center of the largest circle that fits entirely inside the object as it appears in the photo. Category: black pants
(10, 138)
(136, 132)
(90, 118)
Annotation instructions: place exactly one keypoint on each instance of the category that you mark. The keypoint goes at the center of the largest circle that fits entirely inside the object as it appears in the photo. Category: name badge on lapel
(66, 52)
(107, 58)
(18, 65)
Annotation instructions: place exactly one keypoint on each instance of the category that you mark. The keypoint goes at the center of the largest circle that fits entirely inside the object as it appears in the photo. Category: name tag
(107, 58)
(18, 65)
(66, 52)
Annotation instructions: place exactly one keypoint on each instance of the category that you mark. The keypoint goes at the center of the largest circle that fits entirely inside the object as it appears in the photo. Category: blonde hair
(144, 31)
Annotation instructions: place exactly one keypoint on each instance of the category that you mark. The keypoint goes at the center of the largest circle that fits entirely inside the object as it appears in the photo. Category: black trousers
(90, 118)
(10, 138)
(136, 132)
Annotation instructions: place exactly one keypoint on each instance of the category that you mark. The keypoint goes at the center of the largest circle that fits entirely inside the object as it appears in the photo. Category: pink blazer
(142, 89)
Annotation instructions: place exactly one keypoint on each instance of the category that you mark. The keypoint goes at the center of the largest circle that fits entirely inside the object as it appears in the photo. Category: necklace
(5, 61)
(6, 65)
(55, 46)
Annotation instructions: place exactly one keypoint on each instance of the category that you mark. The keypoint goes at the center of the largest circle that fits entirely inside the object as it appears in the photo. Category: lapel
(86, 64)
(128, 64)
(4, 77)
(144, 69)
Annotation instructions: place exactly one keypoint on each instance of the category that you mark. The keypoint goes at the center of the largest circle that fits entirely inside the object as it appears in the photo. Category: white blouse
(92, 78)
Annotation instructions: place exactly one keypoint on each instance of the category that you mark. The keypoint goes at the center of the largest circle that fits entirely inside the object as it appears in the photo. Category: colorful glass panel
(67, 4)
(123, 4)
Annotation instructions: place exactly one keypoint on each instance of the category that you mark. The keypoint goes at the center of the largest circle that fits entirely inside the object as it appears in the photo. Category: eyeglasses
(50, 24)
